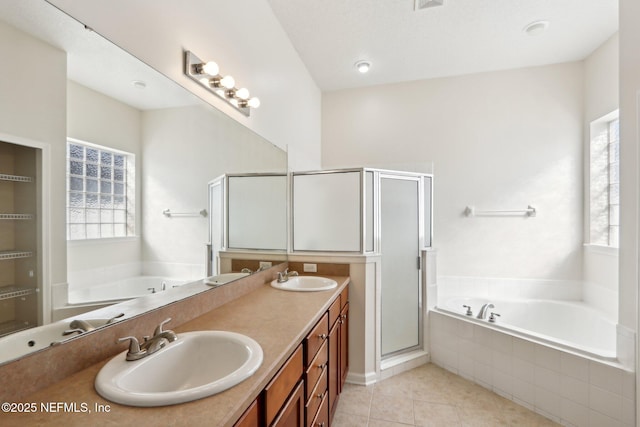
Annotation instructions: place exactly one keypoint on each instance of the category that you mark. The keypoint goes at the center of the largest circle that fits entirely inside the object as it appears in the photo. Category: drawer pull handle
(321, 395)
(322, 336)
(321, 424)
(344, 316)
(322, 365)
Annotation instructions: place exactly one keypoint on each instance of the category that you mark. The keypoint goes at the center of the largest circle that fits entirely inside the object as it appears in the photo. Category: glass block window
(100, 192)
(604, 188)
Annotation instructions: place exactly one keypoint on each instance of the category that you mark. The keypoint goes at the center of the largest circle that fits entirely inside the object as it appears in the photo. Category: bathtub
(557, 358)
(569, 325)
(121, 290)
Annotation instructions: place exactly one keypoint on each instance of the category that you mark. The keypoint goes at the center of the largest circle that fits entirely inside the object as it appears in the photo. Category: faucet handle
(159, 329)
(134, 345)
(493, 316)
(469, 312)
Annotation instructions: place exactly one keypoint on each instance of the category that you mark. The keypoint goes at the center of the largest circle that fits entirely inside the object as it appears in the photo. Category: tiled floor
(429, 396)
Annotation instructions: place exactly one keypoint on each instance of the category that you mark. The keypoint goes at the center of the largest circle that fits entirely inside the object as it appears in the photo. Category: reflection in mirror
(174, 144)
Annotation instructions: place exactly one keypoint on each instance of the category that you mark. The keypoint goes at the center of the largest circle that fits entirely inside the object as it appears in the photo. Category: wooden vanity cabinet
(316, 366)
(305, 390)
(338, 348)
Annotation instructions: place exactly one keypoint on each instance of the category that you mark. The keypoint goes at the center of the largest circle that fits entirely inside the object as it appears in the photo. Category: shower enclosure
(378, 213)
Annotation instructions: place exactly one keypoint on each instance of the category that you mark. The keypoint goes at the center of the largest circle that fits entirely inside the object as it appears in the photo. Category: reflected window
(100, 192)
(604, 182)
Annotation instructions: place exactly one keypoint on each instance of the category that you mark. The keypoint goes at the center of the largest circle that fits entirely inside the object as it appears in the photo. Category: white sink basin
(196, 365)
(305, 284)
(221, 279)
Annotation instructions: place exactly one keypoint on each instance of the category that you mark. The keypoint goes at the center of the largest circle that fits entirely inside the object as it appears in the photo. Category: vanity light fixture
(363, 66)
(207, 74)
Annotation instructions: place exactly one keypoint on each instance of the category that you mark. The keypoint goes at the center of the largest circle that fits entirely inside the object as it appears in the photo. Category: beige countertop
(277, 320)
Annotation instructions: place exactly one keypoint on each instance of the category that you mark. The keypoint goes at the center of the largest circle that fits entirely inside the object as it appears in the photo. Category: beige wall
(95, 118)
(183, 150)
(629, 122)
(500, 140)
(34, 107)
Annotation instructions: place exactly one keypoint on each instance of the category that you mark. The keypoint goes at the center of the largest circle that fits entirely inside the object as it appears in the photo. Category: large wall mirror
(116, 110)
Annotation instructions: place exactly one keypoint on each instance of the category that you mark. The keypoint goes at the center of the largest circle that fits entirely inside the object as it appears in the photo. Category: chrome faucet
(283, 276)
(484, 310)
(150, 345)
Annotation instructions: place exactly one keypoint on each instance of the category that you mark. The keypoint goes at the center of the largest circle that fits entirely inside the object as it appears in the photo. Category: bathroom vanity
(304, 339)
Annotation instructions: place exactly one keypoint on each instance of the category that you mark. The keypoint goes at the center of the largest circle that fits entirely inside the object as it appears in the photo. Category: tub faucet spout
(484, 310)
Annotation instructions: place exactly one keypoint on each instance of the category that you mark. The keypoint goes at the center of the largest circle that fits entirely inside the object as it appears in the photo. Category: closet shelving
(19, 282)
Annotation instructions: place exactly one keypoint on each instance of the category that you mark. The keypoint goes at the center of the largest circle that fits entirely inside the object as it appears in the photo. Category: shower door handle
(419, 262)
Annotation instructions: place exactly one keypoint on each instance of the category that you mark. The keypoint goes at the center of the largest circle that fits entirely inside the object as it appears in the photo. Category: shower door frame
(419, 179)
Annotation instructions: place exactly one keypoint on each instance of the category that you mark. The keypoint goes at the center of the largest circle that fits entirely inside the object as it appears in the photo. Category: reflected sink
(305, 284)
(221, 279)
(196, 365)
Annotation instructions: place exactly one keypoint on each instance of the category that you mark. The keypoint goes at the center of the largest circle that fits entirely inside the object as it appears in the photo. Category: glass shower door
(401, 328)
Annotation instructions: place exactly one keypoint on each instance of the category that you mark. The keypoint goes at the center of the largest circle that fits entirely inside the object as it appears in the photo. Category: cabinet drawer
(322, 417)
(334, 312)
(317, 396)
(316, 338)
(316, 368)
(280, 387)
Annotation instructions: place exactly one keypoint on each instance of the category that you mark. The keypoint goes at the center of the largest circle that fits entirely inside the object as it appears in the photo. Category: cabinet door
(281, 386)
(334, 366)
(292, 413)
(344, 345)
(251, 417)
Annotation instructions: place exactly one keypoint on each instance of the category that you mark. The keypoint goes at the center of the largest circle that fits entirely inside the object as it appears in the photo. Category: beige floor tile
(435, 415)
(383, 423)
(392, 408)
(355, 400)
(430, 396)
(347, 420)
(400, 385)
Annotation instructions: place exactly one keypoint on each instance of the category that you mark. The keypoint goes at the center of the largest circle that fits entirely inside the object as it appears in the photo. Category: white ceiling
(460, 37)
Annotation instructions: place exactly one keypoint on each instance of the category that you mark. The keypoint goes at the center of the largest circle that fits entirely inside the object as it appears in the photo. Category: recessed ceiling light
(424, 4)
(139, 84)
(363, 66)
(536, 28)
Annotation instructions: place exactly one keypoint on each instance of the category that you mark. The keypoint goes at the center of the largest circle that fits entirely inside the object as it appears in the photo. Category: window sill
(601, 249)
(102, 241)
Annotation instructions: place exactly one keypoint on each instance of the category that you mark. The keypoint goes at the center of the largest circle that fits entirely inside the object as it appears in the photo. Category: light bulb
(253, 102)
(242, 93)
(228, 82)
(211, 68)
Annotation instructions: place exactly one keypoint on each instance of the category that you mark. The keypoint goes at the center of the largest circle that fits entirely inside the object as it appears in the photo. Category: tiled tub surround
(566, 385)
(278, 320)
(571, 389)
